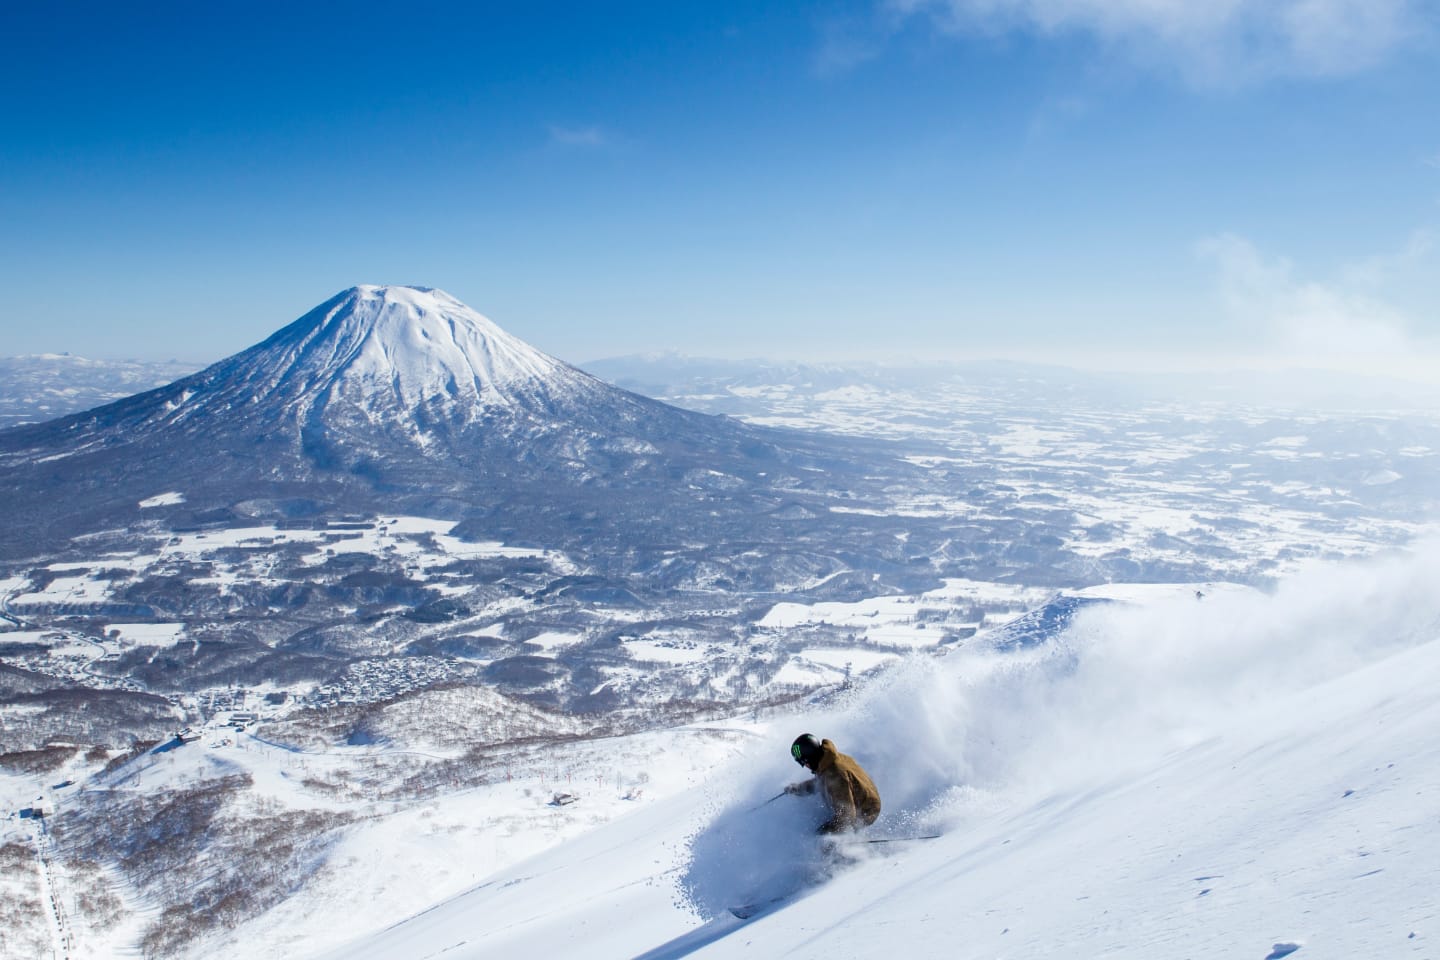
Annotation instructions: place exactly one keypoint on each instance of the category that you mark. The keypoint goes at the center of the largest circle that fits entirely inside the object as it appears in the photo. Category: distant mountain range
(724, 385)
(45, 386)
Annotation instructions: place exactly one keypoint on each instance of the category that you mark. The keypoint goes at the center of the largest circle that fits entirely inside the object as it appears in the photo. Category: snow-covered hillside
(1234, 774)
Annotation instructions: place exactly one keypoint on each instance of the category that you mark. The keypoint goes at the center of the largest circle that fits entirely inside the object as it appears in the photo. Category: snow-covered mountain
(403, 361)
(387, 397)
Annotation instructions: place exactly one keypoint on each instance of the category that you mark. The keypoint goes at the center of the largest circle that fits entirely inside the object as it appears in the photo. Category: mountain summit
(405, 361)
(401, 348)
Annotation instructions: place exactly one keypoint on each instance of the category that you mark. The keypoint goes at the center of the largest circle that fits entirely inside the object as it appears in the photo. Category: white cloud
(1211, 42)
(1347, 322)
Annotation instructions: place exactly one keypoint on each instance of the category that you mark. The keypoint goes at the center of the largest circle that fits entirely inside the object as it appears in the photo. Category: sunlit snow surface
(1170, 776)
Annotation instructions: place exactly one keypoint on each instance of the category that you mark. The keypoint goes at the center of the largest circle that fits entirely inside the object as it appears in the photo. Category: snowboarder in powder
(854, 802)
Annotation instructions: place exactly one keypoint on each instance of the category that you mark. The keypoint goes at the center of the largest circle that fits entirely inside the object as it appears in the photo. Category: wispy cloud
(587, 137)
(846, 43)
(1345, 322)
(1211, 42)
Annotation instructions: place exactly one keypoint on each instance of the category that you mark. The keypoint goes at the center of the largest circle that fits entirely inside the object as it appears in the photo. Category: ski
(747, 910)
(924, 836)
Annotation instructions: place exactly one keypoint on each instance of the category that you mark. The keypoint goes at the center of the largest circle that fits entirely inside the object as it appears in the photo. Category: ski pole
(767, 802)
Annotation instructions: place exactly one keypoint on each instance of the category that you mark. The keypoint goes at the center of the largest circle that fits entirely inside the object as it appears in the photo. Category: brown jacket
(854, 801)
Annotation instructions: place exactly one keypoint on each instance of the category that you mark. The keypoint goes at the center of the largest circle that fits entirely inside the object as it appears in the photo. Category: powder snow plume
(1127, 683)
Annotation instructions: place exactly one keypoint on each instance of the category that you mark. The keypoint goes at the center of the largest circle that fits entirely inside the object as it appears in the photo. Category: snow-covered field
(417, 543)
(1243, 774)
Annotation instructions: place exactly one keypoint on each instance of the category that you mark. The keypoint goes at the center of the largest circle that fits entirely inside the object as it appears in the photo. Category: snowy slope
(1242, 775)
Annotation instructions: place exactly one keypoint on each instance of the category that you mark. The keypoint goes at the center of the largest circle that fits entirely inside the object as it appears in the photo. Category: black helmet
(805, 750)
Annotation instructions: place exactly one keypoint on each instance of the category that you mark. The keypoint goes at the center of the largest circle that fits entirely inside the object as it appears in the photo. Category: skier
(854, 802)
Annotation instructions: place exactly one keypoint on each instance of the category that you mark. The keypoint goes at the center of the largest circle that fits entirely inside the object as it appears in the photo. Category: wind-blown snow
(1171, 776)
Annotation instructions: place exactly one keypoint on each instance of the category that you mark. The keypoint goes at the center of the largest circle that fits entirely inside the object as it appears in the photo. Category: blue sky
(1075, 179)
